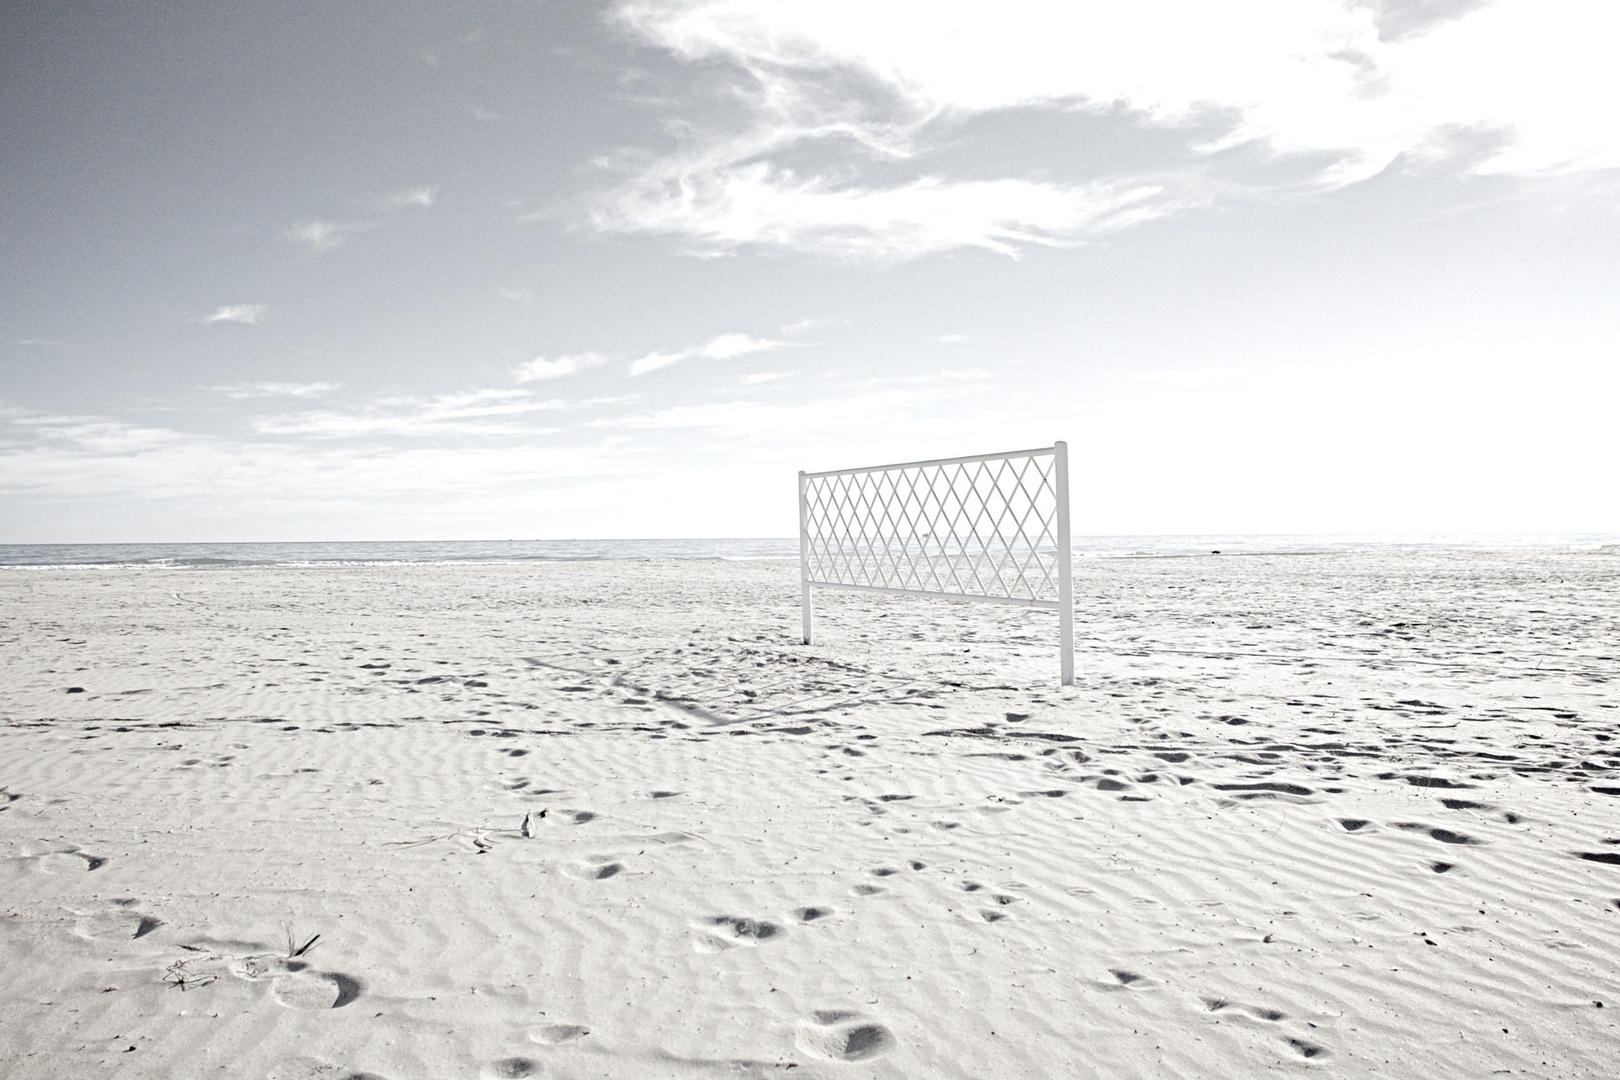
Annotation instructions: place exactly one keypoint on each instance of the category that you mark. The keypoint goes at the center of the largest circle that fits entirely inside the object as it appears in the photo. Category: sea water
(325, 553)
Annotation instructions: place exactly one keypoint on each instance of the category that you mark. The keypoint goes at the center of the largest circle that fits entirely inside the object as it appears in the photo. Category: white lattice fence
(993, 527)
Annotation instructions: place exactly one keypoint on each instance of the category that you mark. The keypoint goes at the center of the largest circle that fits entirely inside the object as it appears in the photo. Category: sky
(534, 269)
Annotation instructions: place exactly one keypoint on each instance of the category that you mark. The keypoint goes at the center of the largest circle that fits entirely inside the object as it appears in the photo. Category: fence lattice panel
(992, 527)
(984, 528)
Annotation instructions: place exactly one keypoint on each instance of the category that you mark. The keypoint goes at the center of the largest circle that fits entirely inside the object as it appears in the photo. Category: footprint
(557, 1034)
(597, 868)
(728, 931)
(59, 858)
(1127, 978)
(1272, 787)
(309, 1068)
(844, 1036)
(815, 914)
(116, 924)
(1445, 836)
(1305, 1049)
(314, 990)
(866, 890)
(510, 1068)
(1354, 824)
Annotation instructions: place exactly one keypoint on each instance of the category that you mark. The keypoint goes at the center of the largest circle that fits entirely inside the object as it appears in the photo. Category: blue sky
(528, 269)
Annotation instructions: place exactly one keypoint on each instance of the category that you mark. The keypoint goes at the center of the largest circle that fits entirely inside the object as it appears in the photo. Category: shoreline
(31, 556)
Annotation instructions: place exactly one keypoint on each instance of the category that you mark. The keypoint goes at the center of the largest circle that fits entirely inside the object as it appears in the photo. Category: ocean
(327, 553)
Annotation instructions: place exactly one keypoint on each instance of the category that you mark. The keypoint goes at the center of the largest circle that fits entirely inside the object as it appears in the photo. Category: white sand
(1301, 814)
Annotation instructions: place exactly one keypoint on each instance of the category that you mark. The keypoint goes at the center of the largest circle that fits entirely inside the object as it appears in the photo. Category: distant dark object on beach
(1214, 553)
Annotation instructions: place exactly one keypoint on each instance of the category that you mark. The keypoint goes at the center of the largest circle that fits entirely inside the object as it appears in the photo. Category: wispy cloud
(326, 235)
(243, 391)
(44, 341)
(237, 313)
(723, 347)
(746, 203)
(1319, 93)
(521, 295)
(804, 326)
(472, 412)
(759, 378)
(853, 415)
(419, 196)
(89, 457)
(952, 339)
(541, 368)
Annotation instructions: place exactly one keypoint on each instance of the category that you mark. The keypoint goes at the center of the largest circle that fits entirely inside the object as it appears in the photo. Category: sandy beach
(1348, 815)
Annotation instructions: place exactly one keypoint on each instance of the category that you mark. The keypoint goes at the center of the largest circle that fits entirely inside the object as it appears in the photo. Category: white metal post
(1060, 480)
(804, 560)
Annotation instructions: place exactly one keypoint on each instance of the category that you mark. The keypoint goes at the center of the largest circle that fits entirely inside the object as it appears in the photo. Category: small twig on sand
(476, 834)
(295, 950)
(177, 975)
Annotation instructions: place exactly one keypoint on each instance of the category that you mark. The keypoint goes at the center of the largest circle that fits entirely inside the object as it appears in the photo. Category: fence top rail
(1037, 452)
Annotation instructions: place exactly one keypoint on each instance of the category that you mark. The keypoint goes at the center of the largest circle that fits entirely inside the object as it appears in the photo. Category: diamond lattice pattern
(985, 528)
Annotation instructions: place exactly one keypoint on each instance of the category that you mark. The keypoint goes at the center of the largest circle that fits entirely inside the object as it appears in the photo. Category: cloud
(857, 417)
(803, 326)
(761, 377)
(541, 368)
(723, 347)
(237, 313)
(326, 235)
(242, 391)
(747, 203)
(421, 196)
(472, 412)
(522, 296)
(1317, 94)
(99, 458)
(727, 346)
(952, 339)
